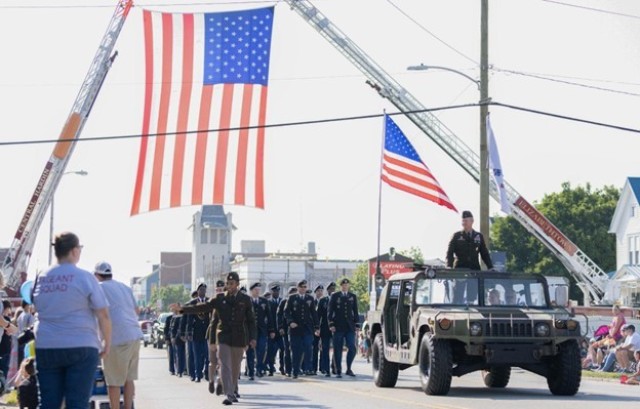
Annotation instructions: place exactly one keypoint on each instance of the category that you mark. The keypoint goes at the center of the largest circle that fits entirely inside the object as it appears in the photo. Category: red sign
(389, 268)
(547, 227)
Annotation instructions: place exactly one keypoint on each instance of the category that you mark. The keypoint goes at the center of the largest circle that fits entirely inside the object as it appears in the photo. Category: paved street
(156, 389)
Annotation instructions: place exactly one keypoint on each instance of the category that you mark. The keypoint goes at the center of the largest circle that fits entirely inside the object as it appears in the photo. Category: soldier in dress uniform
(319, 293)
(187, 338)
(177, 340)
(275, 344)
(235, 331)
(303, 324)
(462, 252)
(197, 325)
(325, 333)
(257, 356)
(343, 322)
(283, 330)
(213, 348)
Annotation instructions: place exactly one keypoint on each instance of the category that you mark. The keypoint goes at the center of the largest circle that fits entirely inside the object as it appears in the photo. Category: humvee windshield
(508, 292)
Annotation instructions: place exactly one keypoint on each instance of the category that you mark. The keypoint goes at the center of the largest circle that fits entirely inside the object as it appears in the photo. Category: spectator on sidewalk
(71, 313)
(625, 352)
(121, 365)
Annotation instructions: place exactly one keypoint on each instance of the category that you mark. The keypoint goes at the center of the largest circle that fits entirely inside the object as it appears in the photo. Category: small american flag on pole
(403, 169)
(204, 71)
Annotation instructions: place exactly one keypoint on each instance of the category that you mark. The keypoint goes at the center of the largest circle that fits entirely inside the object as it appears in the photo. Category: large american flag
(403, 169)
(204, 71)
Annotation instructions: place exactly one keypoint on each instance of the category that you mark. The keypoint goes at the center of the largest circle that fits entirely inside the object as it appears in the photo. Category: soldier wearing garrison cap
(463, 250)
(325, 333)
(303, 323)
(235, 331)
(275, 344)
(257, 356)
(343, 322)
(196, 329)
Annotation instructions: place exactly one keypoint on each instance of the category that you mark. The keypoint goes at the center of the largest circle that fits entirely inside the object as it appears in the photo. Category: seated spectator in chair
(625, 352)
(614, 335)
(635, 378)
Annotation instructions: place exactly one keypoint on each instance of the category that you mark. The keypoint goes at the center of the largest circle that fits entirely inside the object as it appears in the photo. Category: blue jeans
(66, 373)
(609, 362)
(201, 357)
(301, 345)
(339, 338)
(325, 345)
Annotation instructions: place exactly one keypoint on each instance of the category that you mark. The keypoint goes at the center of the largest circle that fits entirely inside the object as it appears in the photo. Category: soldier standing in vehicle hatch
(464, 248)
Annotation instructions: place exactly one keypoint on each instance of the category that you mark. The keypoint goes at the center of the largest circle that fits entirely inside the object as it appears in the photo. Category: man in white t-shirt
(624, 353)
(121, 365)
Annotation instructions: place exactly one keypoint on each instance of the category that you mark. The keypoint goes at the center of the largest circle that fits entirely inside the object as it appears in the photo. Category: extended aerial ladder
(591, 279)
(15, 264)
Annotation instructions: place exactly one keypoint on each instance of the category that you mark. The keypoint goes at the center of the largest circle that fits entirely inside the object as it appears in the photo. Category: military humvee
(453, 322)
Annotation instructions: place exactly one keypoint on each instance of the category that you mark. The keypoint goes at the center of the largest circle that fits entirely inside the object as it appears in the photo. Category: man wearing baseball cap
(235, 331)
(624, 353)
(121, 364)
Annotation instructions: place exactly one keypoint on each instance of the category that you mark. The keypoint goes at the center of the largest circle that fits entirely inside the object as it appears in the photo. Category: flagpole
(378, 270)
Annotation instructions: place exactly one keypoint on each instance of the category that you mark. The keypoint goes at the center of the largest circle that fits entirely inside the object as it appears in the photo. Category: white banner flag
(496, 168)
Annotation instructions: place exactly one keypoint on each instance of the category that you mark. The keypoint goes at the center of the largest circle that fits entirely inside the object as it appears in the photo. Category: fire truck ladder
(591, 279)
(17, 259)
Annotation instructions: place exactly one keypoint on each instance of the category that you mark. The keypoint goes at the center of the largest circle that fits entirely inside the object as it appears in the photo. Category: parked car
(157, 335)
(147, 328)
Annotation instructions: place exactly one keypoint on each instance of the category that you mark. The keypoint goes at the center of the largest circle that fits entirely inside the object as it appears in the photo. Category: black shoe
(234, 399)
(197, 380)
(227, 402)
(251, 378)
(350, 372)
(282, 372)
(295, 376)
(259, 375)
(219, 389)
(172, 373)
(237, 395)
(338, 376)
(270, 374)
(179, 375)
(327, 375)
(288, 375)
(212, 388)
(333, 371)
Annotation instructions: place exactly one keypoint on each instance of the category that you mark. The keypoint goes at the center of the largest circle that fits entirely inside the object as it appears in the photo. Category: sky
(321, 181)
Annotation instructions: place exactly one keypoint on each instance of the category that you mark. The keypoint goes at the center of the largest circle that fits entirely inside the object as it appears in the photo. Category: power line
(449, 46)
(329, 120)
(614, 13)
(566, 82)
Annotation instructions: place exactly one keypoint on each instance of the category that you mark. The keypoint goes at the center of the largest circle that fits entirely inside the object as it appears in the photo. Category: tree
(360, 286)
(415, 253)
(581, 213)
(168, 295)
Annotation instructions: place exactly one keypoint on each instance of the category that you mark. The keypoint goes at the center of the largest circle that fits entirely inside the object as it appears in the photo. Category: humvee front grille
(508, 329)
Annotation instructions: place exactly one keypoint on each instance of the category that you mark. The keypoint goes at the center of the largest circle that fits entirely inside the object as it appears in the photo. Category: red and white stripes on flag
(183, 54)
(403, 169)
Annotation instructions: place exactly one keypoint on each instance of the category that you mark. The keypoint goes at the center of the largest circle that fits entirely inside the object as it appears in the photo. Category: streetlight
(482, 85)
(75, 172)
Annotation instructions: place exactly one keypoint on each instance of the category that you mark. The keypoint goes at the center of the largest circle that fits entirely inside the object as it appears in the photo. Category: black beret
(275, 287)
(267, 295)
(233, 276)
(292, 290)
(254, 285)
(219, 284)
(331, 285)
(201, 285)
(302, 283)
(466, 214)
(319, 287)
(345, 281)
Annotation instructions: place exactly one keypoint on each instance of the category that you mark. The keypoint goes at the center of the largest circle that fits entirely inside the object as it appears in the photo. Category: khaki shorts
(121, 364)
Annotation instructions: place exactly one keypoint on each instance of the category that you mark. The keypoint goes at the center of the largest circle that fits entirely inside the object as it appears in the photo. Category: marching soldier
(325, 333)
(283, 330)
(276, 344)
(266, 329)
(187, 338)
(213, 348)
(235, 331)
(343, 322)
(177, 340)
(303, 323)
(319, 293)
(462, 252)
(197, 325)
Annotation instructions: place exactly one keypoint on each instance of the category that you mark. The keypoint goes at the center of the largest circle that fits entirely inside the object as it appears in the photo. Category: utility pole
(484, 110)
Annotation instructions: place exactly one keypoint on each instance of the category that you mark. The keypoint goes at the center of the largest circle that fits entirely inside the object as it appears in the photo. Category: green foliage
(581, 213)
(168, 295)
(415, 253)
(360, 286)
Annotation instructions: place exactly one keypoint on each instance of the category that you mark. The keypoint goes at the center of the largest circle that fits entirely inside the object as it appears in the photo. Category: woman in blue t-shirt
(68, 347)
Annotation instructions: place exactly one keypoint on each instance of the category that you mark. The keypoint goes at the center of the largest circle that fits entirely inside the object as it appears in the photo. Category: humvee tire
(565, 371)
(385, 373)
(435, 363)
(497, 376)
